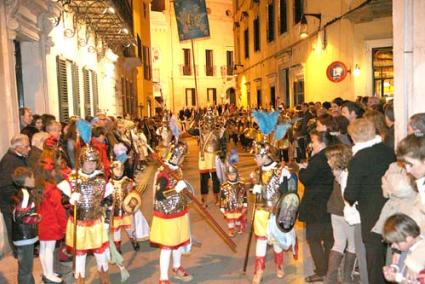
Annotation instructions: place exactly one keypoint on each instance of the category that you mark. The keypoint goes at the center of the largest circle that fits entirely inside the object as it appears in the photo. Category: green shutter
(62, 89)
(76, 89)
(87, 97)
(95, 91)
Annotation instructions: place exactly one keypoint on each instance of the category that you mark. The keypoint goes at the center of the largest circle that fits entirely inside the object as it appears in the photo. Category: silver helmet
(89, 154)
(232, 169)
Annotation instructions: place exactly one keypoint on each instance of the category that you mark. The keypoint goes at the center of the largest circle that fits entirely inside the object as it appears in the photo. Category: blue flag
(192, 19)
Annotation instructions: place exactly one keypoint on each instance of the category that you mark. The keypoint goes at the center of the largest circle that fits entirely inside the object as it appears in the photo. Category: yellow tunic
(91, 236)
(207, 164)
(170, 231)
(121, 222)
(260, 223)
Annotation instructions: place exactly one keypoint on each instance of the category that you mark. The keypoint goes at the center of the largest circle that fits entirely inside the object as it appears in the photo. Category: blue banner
(192, 19)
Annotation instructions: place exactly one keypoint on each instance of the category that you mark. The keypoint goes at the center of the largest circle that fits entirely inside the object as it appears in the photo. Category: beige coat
(399, 187)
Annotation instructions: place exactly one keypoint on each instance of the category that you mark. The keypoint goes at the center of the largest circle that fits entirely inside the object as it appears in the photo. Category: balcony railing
(187, 70)
(227, 70)
(209, 70)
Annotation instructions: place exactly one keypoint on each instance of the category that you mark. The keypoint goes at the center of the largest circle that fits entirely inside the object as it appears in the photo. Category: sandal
(314, 278)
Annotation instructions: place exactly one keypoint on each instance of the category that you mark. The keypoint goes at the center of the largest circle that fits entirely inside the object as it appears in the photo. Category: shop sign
(336, 71)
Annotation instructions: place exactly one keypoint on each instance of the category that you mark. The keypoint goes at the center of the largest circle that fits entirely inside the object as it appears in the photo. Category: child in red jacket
(53, 217)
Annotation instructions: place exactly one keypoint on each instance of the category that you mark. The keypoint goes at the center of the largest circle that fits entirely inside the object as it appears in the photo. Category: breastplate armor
(174, 202)
(270, 193)
(209, 142)
(233, 196)
(121, 189)
(91, 190)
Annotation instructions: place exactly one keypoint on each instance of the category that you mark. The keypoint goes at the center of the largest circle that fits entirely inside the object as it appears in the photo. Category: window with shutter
(62, 89)
(87, 93)
(76, 89)
(95, 92)
(123, 96)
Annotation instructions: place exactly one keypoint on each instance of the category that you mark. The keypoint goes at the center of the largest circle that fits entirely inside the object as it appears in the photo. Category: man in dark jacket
(317, 179)
(371, 159)
(15, 157)
(25, 118)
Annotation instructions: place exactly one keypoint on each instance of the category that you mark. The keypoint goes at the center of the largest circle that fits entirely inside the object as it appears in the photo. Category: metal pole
(172, 57)
(194, 73)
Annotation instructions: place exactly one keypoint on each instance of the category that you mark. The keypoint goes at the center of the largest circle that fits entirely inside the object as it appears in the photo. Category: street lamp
(304, 26)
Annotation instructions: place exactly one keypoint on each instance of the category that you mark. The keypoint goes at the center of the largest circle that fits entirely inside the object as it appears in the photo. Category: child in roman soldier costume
(170, 228)
(87, 191)
(233, 201)
(275, 216)
(277, 201)
(125, 208)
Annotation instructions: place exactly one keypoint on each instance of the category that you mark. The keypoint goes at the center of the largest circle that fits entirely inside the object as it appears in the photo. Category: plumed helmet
(89, 154)
(232, 169)
(264, 149)
(176, 153)
(116, 164)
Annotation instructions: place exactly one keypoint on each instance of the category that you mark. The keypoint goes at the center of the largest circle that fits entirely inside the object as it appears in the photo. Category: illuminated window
(383, 72)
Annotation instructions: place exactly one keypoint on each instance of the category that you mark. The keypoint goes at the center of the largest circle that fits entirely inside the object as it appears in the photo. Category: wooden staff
(216, 227)
(77, 189)
(251, 232)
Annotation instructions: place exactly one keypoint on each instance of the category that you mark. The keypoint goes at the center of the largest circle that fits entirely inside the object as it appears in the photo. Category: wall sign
(336, 71)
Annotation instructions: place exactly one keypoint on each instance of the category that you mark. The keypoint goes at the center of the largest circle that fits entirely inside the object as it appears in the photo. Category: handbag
(351, 214)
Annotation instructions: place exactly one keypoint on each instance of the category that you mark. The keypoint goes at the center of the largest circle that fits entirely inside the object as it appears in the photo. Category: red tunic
(53, 217)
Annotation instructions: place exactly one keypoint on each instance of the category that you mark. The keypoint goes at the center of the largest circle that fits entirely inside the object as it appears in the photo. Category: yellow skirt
(208, 163)
(121, 222)
(170, 231)
(260, 223)
(91, 236)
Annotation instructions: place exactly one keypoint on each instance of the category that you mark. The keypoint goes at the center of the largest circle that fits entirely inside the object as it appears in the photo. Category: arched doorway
(231, 94)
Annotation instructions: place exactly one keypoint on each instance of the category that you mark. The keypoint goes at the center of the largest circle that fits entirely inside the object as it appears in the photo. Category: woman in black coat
(317, 179)
(371, 159)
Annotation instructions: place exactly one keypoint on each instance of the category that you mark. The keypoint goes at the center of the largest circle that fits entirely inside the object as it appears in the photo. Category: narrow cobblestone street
(213, 262)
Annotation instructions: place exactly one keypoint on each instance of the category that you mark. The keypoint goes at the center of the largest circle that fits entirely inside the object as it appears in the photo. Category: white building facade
(54, 61)
(172, 60)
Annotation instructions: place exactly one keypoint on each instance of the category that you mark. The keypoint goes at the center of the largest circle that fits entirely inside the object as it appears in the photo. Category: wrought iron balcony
(111, 20)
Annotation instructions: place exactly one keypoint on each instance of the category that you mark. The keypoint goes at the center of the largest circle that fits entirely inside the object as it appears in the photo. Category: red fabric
(165, 176)
(185, 243)
(421, 276)
(103, 155)
(278, 259)
(170, 216)
(53, 217)
(86, 251)
(260, 263)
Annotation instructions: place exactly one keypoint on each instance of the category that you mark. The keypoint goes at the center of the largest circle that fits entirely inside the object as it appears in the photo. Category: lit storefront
(285, 48)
